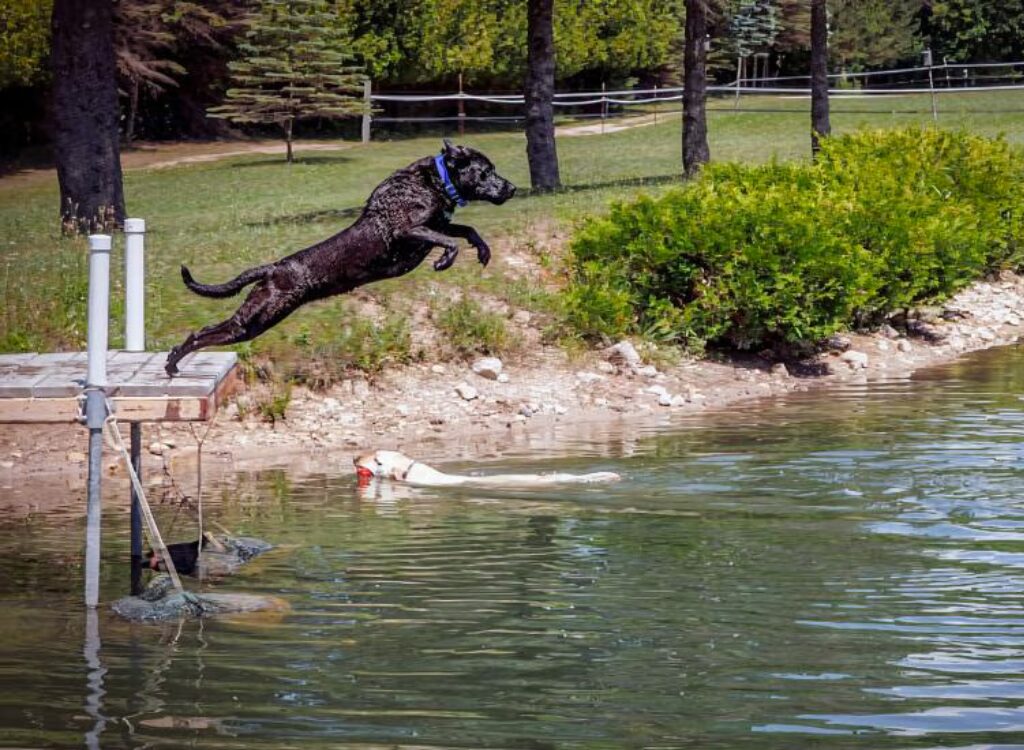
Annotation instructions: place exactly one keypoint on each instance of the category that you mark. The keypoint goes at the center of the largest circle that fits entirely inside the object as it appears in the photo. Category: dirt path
(610, 126)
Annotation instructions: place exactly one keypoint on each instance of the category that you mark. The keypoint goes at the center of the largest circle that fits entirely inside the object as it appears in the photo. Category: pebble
(883, 346)
(502, 377)
(522, 317)
(647, 371)
(525, 411)
(437, 369)
(606, 367)
(856, 360)
(488, 367)
(466, 391)
(664, 400)
(904, 346)
(623, 352)
(157, 449)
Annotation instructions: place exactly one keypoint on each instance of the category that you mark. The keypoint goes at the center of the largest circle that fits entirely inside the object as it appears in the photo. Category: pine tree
(295, 66)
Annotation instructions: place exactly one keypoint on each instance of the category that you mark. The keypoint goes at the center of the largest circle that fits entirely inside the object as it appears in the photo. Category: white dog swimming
(400, 468)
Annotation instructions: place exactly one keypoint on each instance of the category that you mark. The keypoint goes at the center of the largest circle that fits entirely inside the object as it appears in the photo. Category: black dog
(405, 217)
(184, 555)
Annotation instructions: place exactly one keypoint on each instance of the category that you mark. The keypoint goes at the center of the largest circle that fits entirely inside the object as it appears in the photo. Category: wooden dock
(39, 388)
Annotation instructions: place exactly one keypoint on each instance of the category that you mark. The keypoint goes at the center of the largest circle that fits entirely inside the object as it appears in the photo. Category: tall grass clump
(760, 256)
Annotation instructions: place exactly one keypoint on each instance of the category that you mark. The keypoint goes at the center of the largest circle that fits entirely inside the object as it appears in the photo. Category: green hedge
(787, 254)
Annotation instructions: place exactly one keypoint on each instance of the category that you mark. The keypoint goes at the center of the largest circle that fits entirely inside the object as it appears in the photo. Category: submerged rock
(161, 602)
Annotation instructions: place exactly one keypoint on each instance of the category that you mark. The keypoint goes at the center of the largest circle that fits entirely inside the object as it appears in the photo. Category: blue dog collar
(449, 188)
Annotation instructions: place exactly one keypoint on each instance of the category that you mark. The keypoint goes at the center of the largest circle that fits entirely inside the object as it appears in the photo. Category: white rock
(502, 377)
(657, 390)
(522, 317)
(678, 400)
(157, 449)
(75, 457)
(986, 334)
(856, 360)
(647, 371)
(1012, 320)
(588, 377)
(606, 367)
(888, 331)
(488, 367)
(466, 391)
(559, 409)
(883, 346)
(403, 410)
(779, 369)
(437, 369)
(904, 346)
(664, 400)
(624, 353)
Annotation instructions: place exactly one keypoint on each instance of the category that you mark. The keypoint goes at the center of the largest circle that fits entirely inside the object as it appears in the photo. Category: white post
(134, 285)
(99, 307)
(95, 404)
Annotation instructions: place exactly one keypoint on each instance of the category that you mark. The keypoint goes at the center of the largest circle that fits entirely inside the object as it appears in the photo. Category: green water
(839, 570)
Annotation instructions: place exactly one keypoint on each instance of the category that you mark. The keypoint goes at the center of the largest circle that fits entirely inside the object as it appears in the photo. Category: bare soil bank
(449, 412)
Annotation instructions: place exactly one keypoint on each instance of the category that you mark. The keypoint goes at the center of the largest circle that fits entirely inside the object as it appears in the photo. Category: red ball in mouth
(363, 473)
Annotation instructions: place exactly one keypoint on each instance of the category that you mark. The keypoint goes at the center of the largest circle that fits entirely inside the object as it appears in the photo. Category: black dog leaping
(405, 217)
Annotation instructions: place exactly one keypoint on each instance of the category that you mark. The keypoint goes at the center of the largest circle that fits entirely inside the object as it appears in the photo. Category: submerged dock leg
(136, 520)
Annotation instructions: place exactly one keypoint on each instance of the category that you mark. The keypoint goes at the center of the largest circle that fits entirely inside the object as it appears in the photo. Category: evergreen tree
(873, 33)
(296, 66)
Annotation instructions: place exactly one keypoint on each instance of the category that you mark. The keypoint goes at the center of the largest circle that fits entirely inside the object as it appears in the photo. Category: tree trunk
(695, 124)
(85, 111)
(820, 125)
(288, 139)
(539, 95)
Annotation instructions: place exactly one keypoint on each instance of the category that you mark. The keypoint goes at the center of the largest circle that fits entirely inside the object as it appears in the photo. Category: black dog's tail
(228, 289)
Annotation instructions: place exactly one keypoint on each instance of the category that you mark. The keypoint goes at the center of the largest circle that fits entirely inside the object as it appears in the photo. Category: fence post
(604, 107)
(931, 83)
(135, 341)
(462, 110)
(368, 103)
(95, 404)
(655, 104)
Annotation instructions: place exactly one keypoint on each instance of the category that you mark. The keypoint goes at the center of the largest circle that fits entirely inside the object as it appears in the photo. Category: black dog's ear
(455, 152)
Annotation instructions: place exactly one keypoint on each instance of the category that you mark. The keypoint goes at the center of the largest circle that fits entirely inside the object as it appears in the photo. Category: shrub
(469, 329)
(758, 256)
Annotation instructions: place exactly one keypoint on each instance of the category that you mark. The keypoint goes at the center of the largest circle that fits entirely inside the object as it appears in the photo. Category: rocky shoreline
(450, 411)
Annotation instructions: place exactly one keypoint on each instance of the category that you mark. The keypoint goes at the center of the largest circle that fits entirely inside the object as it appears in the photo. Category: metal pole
(367, 115)
(462, 110)
(739, 80)
(655, 104)
(95, 404)
(135, 341)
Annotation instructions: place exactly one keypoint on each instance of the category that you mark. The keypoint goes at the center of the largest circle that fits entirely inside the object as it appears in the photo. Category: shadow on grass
(580, 187)
(308, 217)
(302, 159)
(352, 212)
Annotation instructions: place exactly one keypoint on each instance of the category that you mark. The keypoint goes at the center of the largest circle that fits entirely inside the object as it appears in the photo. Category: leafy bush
(758, 256)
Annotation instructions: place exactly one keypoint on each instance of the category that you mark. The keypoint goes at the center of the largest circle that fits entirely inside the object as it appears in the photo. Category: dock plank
(47, 387)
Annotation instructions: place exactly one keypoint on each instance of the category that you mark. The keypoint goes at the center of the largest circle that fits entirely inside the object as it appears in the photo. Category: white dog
(401, 468)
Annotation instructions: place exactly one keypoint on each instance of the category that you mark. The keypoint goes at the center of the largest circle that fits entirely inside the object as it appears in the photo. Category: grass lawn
(221, 217)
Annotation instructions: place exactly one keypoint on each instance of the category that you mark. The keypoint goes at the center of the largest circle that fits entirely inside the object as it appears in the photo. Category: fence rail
(935, 81)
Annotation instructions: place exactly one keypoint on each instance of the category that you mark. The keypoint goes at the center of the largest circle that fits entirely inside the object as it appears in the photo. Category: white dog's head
(382, 464)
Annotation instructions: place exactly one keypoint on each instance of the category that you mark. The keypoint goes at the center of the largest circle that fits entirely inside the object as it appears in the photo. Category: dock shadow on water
(842, 569)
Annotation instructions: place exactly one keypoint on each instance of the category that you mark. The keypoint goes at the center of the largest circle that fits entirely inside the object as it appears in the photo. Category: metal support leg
(96, 412)
(136, 521)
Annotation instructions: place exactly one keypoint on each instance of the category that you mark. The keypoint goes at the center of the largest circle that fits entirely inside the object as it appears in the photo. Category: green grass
(221, 217)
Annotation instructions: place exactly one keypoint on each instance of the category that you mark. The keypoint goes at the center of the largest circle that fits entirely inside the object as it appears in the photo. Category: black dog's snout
(511, 190)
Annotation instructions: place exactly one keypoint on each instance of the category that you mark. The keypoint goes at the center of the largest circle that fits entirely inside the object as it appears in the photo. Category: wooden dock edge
(68, 410)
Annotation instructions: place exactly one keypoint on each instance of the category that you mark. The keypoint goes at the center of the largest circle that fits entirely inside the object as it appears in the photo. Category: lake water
(844, 569)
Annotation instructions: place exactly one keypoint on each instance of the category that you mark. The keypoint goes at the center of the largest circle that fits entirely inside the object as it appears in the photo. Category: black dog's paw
(483, 252)
(446, 259)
